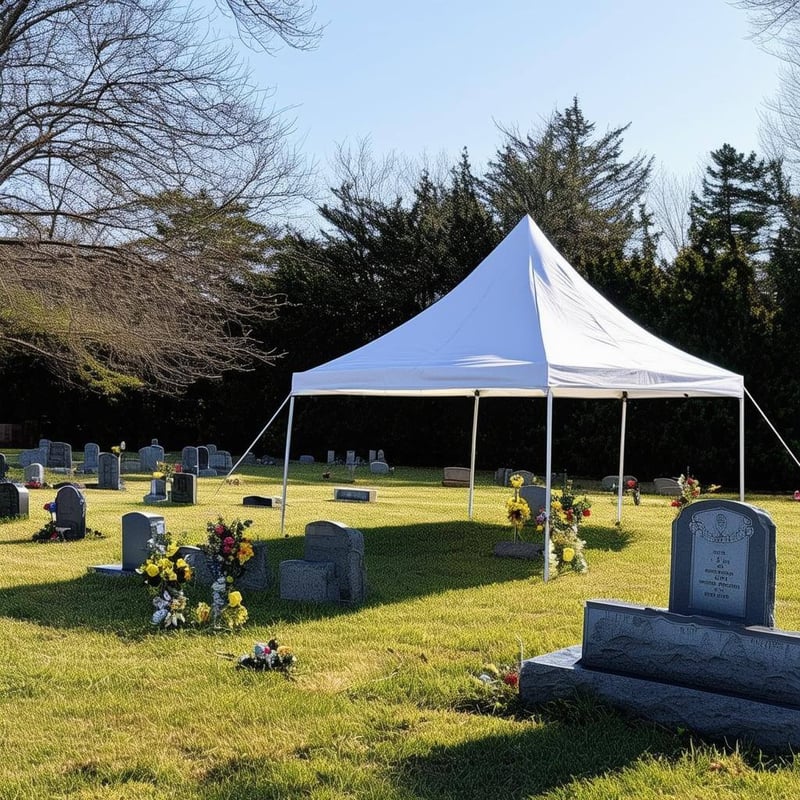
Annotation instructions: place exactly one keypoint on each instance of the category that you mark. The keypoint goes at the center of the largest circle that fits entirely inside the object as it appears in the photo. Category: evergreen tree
(576, 186)
(736, 205)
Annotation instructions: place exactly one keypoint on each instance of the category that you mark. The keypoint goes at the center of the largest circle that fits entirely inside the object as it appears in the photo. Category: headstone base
(560, 675)
(518, 550)
(115, 570)
(154, 499)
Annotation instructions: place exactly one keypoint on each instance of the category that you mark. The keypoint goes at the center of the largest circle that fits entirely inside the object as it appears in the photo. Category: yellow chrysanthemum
(568, 554)
(235, 599)
(516, 481)
(171, 550)
(245, 552)
(158, 475)
(181, 563)
(151, 569)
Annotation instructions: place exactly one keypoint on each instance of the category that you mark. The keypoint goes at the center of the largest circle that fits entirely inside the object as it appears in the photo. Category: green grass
(96, 704)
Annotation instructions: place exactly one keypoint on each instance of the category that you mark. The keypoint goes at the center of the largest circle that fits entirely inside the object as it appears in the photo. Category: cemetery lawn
(384, 703)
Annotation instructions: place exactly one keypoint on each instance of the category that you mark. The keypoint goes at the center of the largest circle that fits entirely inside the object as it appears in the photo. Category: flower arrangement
(165, 572)
(567, 512)
(690, 490)
(227, 550)
(269, 656)
(48, 532)
(118, 449)
(632, 488)
(33, 484)
(517, 509)
(164, 471)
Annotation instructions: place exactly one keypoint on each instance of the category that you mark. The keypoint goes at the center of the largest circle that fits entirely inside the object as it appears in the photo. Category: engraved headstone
(379, 468)
(184, 488)
(150, 456)
(331, 456)
(204, 469)
(723, 562)
(34, 472)
(91, 454)
(380, 456)
(138, 528)
(373, 456)
(71, 512)
(222, 461)
(350, 458)
(344, 547)
(261, 500)
(157, 493)
(306, 459)
(535, 497)
(59, 457)
(108, 471)
(351, 495)
(37, 455)
(13, 501)
(189, 461)
(256, 575)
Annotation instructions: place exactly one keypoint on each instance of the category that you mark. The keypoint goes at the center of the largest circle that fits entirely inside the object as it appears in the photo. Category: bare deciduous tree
(105, 105)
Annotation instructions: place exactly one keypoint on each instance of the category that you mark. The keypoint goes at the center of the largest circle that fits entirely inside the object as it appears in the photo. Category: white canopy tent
(524, 323)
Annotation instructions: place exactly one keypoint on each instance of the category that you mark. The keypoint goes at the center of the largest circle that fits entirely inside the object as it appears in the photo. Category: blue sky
(426, 77)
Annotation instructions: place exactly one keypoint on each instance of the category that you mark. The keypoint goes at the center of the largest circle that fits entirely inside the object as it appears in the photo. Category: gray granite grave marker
(71, 512)
(723, 562)
(157, 493)
(379, 468)
(91, 454)
(184, 488)
(138, 528)
(344, 547)
(13, 501)
(534, 496)
(350, 495)
(150, 456)
(306, 459)
(261, 500)
(59, 458)
(108, 471)
(189, 461)
(34, 472)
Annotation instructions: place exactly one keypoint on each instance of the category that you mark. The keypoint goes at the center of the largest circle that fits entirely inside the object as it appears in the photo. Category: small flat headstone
(306, 459)
(261, 500)
(308, 581)
(379, 468)
(351, 495)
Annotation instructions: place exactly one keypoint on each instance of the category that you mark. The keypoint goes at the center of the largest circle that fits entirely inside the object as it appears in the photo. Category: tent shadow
(530, 760)
(611, 539)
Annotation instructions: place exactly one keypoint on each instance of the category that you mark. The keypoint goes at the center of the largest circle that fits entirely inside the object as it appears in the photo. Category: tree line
(151, 288)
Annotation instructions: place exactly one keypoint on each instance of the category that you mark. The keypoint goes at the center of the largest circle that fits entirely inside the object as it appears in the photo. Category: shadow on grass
(529, 760)
(525, 760)
(402, 562)
(599, 538)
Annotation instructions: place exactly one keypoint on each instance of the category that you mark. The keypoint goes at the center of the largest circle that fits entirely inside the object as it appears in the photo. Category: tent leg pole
(286, 466)
(548, 486)
(621, 455)
(472, 455)
(741, 448)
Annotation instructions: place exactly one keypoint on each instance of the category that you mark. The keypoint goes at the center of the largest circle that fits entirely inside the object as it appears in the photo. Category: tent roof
(523, 323)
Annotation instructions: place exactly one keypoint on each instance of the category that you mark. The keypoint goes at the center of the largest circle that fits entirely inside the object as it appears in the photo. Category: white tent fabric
(523, 323)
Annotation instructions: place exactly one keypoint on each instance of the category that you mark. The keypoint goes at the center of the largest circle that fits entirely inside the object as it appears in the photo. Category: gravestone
(331, 457)
(527, 476)
(71, 512)
(456, 476)
(306, 459)
(720, 567)
(91, 455)
(261, 500)
(373, 456)
(379, 468)
(108, 471)
(350, 458)
(204, 469)
(184, 488)
(380, 456)
(138, 529)
(501, 476)
(150, 456)
(34, 472)
(212, 450)
(344, 547)
(59, 458)
(534, 496)
(350, 495)
(712, 662)
(222, 461)
(189, 461)
(309, 581)
(35, 456)
(248, 460)
(157, 493)
(13, 501)
(3, 467)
